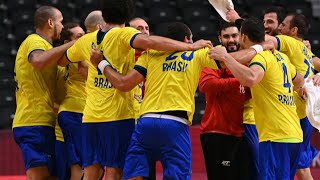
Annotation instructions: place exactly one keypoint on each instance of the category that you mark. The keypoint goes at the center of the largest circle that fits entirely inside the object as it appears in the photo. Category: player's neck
(45, 35)
(298, 38)
(109, 26)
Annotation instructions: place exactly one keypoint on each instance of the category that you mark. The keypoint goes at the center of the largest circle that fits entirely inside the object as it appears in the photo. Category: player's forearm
(161, 44)
(50, 57)
(244, 74)
(218, 85)
(316, 62)
(244, 56)
(117, 80)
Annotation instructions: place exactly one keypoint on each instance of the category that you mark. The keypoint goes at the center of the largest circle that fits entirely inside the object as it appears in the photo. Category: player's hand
(201, 44)
(315, 79)
(218, 53)
(96, 57)
(302, 92)
(268, 45)
(307, 43)
(232, 15)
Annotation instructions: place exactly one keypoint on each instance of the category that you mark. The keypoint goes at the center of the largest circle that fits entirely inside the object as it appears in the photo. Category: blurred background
(16, 22)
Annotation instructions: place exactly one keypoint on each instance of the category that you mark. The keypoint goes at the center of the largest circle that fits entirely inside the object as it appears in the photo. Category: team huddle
(117, 99)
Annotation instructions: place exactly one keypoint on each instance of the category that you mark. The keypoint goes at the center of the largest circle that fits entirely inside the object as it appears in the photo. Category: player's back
(34, 88)
(172, 79)
(105, 103)
(274, 106)
(301, 57)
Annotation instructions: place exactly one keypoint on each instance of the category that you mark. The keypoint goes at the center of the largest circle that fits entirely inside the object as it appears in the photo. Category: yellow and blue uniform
(301, 57)
(107, 109)
(251, 137)
(33, 125)
(278, 125)
(166, 111)
(71, 108)
(62, 167)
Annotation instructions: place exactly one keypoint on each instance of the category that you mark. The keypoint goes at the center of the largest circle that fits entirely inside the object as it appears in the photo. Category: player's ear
(219, 37)
(50, 23)
(294, 30)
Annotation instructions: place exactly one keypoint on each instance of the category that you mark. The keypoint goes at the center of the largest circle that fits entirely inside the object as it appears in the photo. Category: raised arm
(121, 82)
(165, 44)
(246, 76)
(42, 59)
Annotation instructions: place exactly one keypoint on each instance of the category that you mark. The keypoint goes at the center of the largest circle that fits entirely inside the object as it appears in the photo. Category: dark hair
(178, 31)
(117, 11)
(66, 34)
(254, 29)
(226, 25)
(301, 22)
(42, 15)
(279, 10)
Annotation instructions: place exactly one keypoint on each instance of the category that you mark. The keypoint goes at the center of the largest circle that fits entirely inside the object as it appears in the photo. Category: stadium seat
(196, 13)
(303, 8)
(204, 28)
(159, 15)
(158, 3)
(86, 3)
(140, 12)
(7, 97)
(6, 61)
(7, 81)
(187, 3)
(22, 30)
(7, 115)
(21, 4)
(25, 15)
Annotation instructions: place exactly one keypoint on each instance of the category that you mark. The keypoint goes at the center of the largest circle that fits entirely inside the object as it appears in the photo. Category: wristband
(257, 47)
(318, 74)
(103, 64)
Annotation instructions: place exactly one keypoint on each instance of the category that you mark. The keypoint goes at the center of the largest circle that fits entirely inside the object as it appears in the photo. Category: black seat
(7, 115)
(198, 13)
(160, 15)
(22, 30)
(202, 29)
(187, 3)
(6, 62)
(20, 4)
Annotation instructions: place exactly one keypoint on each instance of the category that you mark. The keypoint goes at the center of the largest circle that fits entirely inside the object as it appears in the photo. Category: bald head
(140, 24)
(94, 21)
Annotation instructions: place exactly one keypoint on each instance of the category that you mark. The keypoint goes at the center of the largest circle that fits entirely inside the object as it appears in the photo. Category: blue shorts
(63, 170)
(308, 152)
(37, 144)
(252, 144)
(278, 160)
(71, 123)
(159, 139)
(106, 143)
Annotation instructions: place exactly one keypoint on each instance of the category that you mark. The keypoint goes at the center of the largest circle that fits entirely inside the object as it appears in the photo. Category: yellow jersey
(137, 94)
(104, 103)
(172, 79)
(34, 88)
(60, 95)
(75, 99)
(248, 114)
(273, 102)
(301, 57)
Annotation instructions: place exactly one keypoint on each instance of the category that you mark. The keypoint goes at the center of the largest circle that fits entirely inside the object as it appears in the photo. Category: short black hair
(42, 15)
(178, 31)
(225, 25)
(301, 22)
(254, 29)
(66, 34)
(117, 11)
(279, 10)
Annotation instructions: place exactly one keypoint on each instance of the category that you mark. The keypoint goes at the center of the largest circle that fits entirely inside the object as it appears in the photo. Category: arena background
(16, 22)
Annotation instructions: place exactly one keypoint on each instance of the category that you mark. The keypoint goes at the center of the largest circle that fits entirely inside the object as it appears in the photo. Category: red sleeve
(212, 81)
